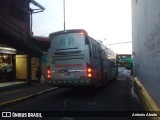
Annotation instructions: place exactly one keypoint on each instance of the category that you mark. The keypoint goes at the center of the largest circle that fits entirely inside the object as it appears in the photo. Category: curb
(147, 101)
(12, 87)
(12, 102)
(135, 102)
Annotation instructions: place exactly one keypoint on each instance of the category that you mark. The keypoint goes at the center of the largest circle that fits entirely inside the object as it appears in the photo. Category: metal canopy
(40, 7)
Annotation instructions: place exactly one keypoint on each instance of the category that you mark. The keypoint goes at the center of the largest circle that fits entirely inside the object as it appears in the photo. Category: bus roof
(69, 31)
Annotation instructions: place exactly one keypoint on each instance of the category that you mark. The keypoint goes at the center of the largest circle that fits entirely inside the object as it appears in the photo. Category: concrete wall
(146, 44)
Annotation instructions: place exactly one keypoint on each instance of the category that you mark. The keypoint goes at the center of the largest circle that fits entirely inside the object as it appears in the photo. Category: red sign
(67, 65)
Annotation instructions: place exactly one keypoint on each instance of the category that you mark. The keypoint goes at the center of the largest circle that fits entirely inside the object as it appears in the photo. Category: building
(146, 45)
(15, 39)
(43, 44)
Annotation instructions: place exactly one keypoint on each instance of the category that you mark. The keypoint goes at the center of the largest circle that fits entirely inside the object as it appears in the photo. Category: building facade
(43, 44)
(146, 45)
(16, 46)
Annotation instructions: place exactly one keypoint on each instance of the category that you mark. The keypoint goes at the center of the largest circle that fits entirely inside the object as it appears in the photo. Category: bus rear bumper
(70, 83)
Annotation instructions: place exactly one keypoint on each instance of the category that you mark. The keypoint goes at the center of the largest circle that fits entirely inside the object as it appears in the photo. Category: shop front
(7, 63)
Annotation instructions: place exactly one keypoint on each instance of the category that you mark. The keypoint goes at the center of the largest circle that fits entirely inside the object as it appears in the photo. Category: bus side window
(95, 51)
(86, 40)
(90, 54)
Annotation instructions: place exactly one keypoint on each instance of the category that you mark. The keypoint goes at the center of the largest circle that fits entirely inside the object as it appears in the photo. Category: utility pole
(64, 14)
(29, 74)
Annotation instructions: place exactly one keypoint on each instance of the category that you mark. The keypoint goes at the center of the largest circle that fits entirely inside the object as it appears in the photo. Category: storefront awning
(7, 50)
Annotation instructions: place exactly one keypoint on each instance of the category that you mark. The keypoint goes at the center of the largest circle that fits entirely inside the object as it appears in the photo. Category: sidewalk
(13, 92)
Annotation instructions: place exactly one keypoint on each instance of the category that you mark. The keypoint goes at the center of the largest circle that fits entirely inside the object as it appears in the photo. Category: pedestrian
(38, 74)
(9, 70)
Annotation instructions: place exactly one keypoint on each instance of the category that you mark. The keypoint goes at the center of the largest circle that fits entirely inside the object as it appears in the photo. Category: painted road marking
(26, 97)
(10, 92)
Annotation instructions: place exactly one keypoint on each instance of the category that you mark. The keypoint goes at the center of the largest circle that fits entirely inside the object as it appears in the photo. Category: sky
(105, 20)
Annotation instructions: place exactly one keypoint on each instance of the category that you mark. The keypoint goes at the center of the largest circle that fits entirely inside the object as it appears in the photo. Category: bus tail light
(89, 71)
(48, 73)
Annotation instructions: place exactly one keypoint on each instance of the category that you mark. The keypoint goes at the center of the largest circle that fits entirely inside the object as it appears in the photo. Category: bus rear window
(65, 41)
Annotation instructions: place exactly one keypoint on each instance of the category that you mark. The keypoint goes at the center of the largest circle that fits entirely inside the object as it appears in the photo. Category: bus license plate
(66, 75)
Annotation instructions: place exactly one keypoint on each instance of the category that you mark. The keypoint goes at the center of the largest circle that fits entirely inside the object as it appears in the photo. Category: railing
(15, 30)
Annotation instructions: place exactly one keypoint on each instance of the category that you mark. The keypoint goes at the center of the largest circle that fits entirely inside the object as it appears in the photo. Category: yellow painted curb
(26, 97)
(147, 101)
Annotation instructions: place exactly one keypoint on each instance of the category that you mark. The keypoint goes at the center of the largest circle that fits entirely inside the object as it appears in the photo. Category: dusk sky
(105, 20)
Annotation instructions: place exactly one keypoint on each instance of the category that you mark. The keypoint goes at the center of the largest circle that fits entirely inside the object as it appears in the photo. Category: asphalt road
(113, 98)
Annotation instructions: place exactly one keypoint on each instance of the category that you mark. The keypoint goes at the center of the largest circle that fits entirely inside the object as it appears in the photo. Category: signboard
(8, 50)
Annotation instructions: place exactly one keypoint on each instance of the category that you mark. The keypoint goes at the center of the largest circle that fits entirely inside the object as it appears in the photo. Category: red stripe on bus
(67, 65)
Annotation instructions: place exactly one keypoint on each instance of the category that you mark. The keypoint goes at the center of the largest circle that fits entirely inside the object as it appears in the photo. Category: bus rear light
(89, 71)
(48, 76)
(89, 75)
(48, 72)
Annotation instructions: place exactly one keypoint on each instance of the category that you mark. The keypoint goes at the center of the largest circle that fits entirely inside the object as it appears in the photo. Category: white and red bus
(76, 59)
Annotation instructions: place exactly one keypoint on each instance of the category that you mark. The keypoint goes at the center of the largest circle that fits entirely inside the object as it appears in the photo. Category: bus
(128, 63)
(125, 60)
(76, 59)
